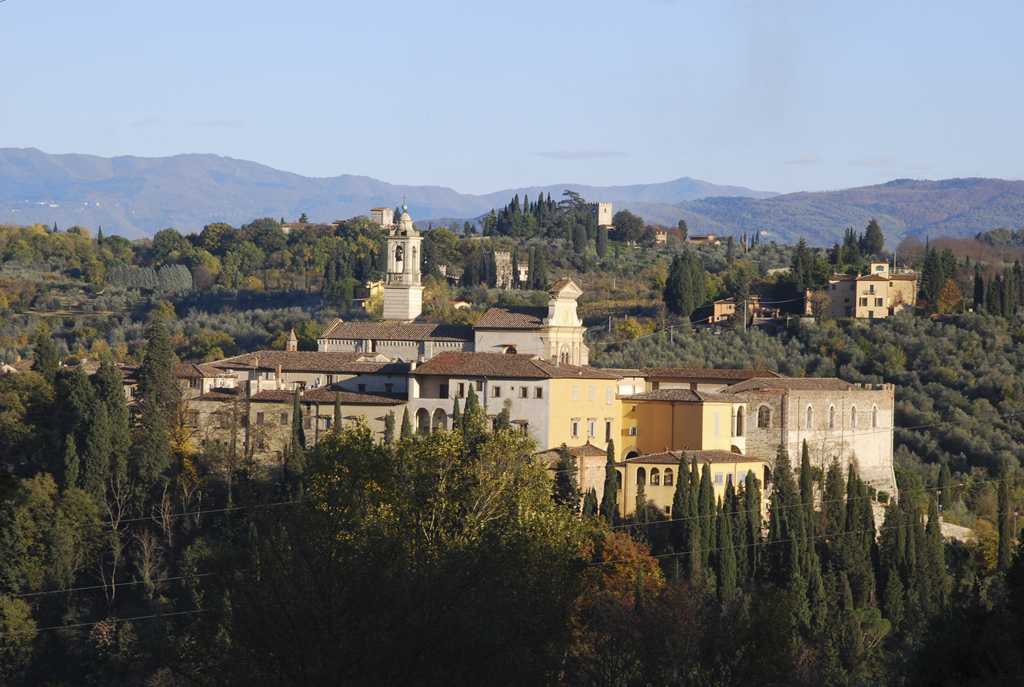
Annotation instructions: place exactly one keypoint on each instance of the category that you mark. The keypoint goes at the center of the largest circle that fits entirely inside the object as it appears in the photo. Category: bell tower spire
(403, 292)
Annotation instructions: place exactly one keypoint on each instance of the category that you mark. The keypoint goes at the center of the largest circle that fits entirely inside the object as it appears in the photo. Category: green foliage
(406, 434)
(45, 354)
(609, 500)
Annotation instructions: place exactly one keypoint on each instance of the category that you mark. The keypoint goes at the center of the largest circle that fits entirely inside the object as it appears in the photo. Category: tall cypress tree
(71, 463)
(44, 353)
(680, 504)
(157, 383)
(609, 500)
(695, 524)
(566, 488)
(979, 288)
(807, 486)
(389, 429)
(725, 556)
(152, 455)
(97, 453)
(110, 391)
(945, 495)
(1006, 532)
(706, 503)
(590, 505)
(936, 559)
(406, 426)
(751, 506)
(785, 531)
(456, 416)
(640, 504)
(834, 503)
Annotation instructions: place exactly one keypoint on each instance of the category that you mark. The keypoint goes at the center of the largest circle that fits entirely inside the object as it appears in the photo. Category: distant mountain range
(135, 197)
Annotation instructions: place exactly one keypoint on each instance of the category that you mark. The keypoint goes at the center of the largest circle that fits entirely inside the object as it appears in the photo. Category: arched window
(874, 416)
(511, 350)
(764, 417)
(810, 417)
(399, 253)
(739, 422)
(655, 477)
(668, 477)
(618, 480)
(853, 417)
(641, 477)
(831, 417)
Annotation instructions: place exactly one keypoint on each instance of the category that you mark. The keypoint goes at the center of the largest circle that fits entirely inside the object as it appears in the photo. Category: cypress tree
(153, 454)
(834, 505)
(99, 236)
(640, 505)
(1005, 528)
(807, 485)
(389, 429)
(994, 296)
(473, 419)
(590, 503)
(785, 533)
(891, 556)
(97, 453)
(566, 488)
(70, 463)
(602, 241)
(110, 391)
(158, 386)
(945, 497)
(44, 353)
(680, 505)
(936, 558)
(695, 523)
(295, 458)
(979, 288)
(752, 510)
(456, 416)
(406, 426)
(726, 558)
(817, 599)
(504, 420)
(609, 500)
(706, 502)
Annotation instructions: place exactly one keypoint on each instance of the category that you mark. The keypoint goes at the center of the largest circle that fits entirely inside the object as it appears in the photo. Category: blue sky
(482, 96)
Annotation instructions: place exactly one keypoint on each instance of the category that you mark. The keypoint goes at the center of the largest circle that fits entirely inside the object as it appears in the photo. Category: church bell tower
(403, 292)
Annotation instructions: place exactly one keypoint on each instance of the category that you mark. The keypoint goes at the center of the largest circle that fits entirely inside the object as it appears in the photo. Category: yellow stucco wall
(663, 425)
(565, 406)
(660, 496)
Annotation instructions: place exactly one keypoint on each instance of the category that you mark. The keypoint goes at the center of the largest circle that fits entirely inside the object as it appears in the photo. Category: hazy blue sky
(482, 96)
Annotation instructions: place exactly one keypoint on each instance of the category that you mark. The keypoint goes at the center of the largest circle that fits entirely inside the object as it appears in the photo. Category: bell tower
(403, 292)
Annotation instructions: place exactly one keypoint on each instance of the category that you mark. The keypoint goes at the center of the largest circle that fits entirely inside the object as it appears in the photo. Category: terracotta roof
(559, 285)
(624, 371)
(681, 395)
(712, 456)
(325, 395)
(904, 277)
(224, 394)
(587, 449)
(701, 373)
(517, 317)
(22, 365)
(466, 364)
(791, 384)
(398, 331)
(290, 361)
(195, 371)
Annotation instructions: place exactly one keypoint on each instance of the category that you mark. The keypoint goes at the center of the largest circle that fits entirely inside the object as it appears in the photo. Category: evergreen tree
(474, 419)
(807, 486)
(817, 599)
(751, 506)
(834, 503)
(979, 288)
(945, 490)
(683, 230)
(406, 426)
(456, 416)
(892, 546)
(152, 454)
(503, 422)
(158, 386)
(725, 556)
(785, 520)
(695, 524)
(47, 362)
(515, 269)
(590, 503)
(99, 236)
(389, 428)
(609, 500)
(566, 488)
(640, 505)
(730, 251)
(706, 503)
(295, 458)
(681, 505)
(935, 558)
(110, 392)
(602, 241)
(932, 275)
(874, 240)
(97, 453)
(1006, 532)
(71, 464)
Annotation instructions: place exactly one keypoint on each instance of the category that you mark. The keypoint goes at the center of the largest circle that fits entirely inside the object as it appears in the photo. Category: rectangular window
(833, 287)
(591, 428)
(608, 396)
(862, 301)
(284, 418)
(591, 394)
(330, 380)
(632, 431)
(260, 418)
(462, 390)
(443, 391)
(718, 479)
(716, 424)
(496, 392)
(362, 388)
(524, 392)
(871, 288)
(479, 386)
(575, 429)
(878, 302)
(607, 430)
(538, 392)
(575, 393)
(307, 423)
(225, 421)
(329, 423)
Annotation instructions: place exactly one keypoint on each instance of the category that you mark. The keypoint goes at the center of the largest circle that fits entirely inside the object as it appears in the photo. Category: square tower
(403, 292)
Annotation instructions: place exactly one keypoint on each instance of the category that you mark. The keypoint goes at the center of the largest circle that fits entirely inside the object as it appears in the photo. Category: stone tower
(403, 293)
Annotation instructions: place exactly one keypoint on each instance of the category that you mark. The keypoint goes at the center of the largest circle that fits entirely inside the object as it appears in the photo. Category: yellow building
(659, 472)
(681, 419)
(872, 296)
(554, 403)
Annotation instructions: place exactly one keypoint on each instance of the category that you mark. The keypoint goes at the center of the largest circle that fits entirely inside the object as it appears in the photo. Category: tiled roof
(701, 373)
(587, 449)
(559, 285)
(325, 395)
(397, 331)
(623, 371)
(22, 365)
(290, 361)
(791, 384)
(711, 456)
(465, 364)
(681, 395)
(195, 371)
(517, 317)
(224, 394)
(904, 277)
